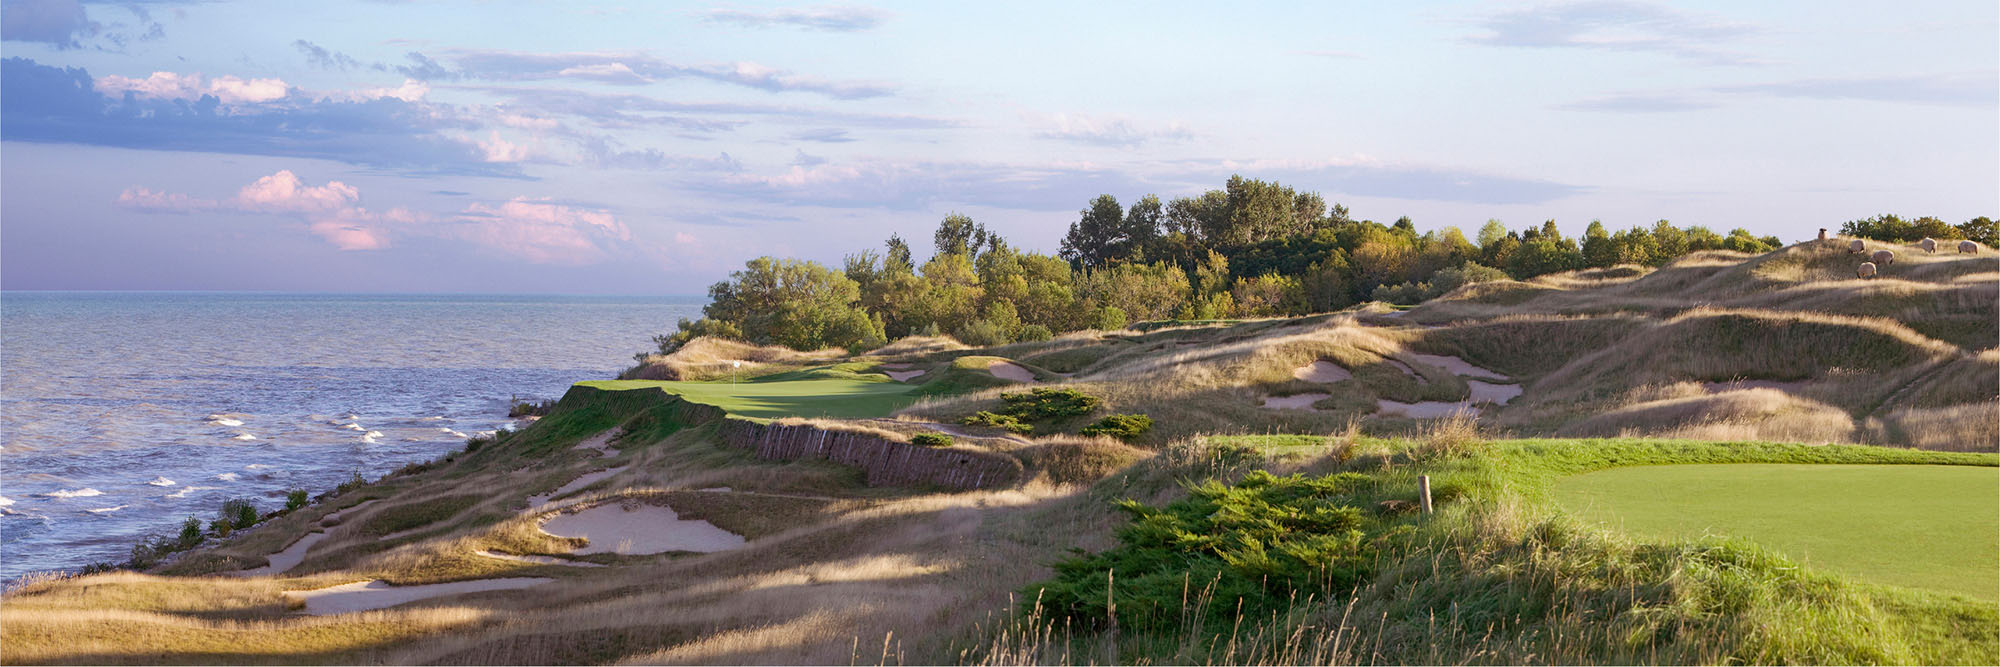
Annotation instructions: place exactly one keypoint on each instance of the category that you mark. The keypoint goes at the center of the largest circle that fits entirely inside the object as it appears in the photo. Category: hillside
(746, 505)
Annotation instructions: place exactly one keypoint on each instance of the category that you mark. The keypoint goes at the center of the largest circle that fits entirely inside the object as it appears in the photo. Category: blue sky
(650, 148)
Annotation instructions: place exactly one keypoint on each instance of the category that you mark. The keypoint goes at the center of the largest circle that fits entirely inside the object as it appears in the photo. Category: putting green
(773, 399)
(1922, 526)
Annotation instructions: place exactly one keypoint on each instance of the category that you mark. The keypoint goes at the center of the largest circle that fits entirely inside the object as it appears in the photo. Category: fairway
(777, 398)
(1922, 526)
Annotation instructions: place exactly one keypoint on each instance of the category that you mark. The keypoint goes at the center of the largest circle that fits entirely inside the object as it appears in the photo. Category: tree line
(1250, 249)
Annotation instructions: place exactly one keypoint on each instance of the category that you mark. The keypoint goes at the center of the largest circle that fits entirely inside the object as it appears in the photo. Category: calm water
(123, 413)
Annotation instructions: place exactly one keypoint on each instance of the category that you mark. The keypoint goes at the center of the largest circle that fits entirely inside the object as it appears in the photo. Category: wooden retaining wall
(886, 462)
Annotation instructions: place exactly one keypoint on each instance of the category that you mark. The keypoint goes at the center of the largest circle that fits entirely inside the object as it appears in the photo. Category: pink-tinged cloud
(536, 230)
(176, 86)
(542, 232)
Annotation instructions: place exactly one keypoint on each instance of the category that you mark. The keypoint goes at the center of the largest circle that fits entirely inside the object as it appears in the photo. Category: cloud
(58, 23)
(1616, 25)
(824, 135)
(1372, 178)
(321, 57)
(827, 18)
(628, 110)
(1335, 55)
(1969, 89)
(629, 69)
(1639, 103)
(539, 231)
(170, 111)
(1111, 131)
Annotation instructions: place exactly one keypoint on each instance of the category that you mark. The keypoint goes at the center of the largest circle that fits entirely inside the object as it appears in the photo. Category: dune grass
(1909, 525)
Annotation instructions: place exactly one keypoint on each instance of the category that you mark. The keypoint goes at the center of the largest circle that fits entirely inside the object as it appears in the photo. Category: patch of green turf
(809, 393)
(1920, 526)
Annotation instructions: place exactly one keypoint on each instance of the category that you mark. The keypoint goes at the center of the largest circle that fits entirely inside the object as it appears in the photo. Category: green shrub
(1122, 427)
(1035, 333)
(190, 534)
(519, 408)
(1008, 423)
(240, 513)
(296, 498)
(1049, 403)
(983, 333)
(931, 440)
(1250, 546)
(220, 527)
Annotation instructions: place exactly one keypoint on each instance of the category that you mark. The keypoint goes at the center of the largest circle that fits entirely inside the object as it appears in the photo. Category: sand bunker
(1293, 402)
(639, 530)
(904, 376)
(367, 595)
(581, 481)
(602, 442)
(1321, 371)
(1455, 365)
(1426, 409)
(538, 560)
(1487, 392)
(1007, 370)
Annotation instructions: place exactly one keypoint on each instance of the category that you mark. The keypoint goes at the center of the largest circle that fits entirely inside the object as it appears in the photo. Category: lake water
(123, 413)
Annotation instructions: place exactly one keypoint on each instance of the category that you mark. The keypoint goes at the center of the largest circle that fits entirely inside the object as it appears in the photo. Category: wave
(244, 436)
(5, 501)
(353, 427)
(85, 492)
(373, 434)
(161, 481)
(185, 490)
(107, 510)
(227, 477)
(224, 421)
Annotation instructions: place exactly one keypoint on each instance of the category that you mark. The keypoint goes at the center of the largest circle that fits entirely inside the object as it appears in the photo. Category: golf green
(817, 397)
(1922, 526)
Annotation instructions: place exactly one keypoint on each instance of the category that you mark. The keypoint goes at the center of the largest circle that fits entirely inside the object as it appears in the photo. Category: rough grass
(709, 358)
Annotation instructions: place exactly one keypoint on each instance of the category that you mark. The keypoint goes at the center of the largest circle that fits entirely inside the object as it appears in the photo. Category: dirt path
(368, 595)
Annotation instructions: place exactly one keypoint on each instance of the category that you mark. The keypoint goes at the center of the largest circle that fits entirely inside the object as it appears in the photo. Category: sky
(651, 148)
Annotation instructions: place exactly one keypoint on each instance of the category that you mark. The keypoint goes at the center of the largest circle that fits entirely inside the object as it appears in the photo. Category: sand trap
(1007, 370)
(1321, 371)
(639, 530)
(1456, 365)
(1426, 409)
(285, 560)
(1487, 392)
(904, 376)
(602, 442)
(581, 481)
(538, 560)
(1719, 387)
(1293, 402)
(367, 595)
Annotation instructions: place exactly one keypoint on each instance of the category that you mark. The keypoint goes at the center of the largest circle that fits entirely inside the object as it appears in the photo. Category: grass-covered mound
(1333, 566)
(1917, 526)
(830, 391)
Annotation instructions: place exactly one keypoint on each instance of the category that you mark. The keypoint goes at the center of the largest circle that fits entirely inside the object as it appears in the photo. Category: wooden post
(1424, 488)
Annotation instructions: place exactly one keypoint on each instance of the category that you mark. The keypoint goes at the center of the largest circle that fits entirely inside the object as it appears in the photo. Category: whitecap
(244, 436)
(353, 427)
(79, 493)
(257, 466)
(185, 490)
(455, 434)
(368, 440)
(161, 481)
(373, 434)
(5, 501)
(227, 477)
(107, 510)
(226, 422)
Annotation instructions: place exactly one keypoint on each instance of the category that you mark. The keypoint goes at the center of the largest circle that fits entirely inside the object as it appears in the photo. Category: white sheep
(1883, 258)
(1968, 247)
(1867, 270)
(1856, 246)
(1928, 244)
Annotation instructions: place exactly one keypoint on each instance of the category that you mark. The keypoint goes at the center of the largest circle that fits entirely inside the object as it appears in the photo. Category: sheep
(1968, 247)
(1883, 257)
(1856, 246)
(1928, 244)
(1867, 270)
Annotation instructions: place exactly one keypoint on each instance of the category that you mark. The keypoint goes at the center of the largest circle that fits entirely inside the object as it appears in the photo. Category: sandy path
(285, 560)
(902, 376)
(639, 530)
(538, 560)
(602, 442)
(581, 481)
(367, 595)
(1455, 365)
(1293, 402)
(1488, 392)
(1007, 370)
(1322, 372)
(1426, 409)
